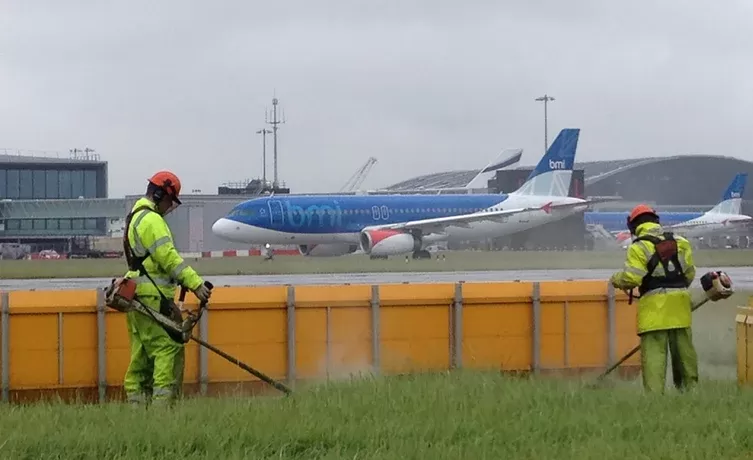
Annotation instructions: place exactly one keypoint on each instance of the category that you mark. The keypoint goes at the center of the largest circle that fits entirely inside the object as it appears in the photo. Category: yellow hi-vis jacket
(662, 308)
(149, 232)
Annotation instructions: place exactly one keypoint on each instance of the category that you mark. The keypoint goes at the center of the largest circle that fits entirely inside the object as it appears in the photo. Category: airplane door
(276, 215)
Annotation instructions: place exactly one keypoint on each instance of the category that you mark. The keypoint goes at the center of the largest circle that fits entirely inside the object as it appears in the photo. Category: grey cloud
(421, 85)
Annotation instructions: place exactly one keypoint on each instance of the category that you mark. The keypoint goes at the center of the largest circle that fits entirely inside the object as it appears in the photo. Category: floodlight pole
(264, 133)
(545, 98)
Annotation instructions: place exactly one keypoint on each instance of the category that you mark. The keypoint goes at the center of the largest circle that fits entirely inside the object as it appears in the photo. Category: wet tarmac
(741, 276)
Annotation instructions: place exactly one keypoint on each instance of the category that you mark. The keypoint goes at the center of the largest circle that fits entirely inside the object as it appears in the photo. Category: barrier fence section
(744, 337)
(69, 343)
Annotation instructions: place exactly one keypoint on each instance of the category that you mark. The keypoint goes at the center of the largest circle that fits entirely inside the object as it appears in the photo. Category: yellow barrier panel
(69, 343)
(744, 333)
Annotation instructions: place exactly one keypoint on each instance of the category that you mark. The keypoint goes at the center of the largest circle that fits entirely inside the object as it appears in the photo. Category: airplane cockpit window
(242, 212)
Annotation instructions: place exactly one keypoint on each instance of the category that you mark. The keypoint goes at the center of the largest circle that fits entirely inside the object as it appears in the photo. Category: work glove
(203, 292)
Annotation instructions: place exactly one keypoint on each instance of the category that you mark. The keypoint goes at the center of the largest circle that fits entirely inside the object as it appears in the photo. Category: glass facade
(36, 182)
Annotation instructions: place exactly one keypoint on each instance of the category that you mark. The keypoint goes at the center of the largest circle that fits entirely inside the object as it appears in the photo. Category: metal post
(101, 350)
(204, 354)
(5, 346)
(291, 335)
(566, 327)
(60, 348)
(327, 351)
(274, 122)
(536, 330)
(457, 328)
(375, 330)
(545, 98)
(611, 326)
(264, 133)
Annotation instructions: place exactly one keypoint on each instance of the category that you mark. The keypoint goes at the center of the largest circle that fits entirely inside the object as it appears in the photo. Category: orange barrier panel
(69, 341)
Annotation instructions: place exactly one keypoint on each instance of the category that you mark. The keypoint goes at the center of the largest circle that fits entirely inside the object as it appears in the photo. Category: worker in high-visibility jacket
(660, 264)
(155, 372)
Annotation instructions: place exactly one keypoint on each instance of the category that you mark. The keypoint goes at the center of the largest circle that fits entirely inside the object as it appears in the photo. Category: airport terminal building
(49, 202)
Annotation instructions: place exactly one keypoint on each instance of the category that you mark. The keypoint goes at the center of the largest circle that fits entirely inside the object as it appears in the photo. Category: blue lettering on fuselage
(299, 217)
(349, 214)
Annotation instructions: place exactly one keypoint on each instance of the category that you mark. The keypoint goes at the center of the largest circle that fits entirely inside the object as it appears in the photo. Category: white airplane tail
(553, 174)
(732, 199)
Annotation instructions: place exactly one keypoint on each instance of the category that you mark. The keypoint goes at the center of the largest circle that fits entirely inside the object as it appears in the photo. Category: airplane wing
(438, 224)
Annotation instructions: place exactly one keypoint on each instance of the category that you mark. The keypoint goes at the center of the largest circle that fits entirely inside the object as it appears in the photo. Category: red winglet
(547, 208)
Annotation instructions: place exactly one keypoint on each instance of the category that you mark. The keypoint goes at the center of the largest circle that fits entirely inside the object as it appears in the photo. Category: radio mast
(274, 122)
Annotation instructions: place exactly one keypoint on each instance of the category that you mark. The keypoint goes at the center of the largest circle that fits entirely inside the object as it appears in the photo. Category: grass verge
(460, 415)
(714, 336)
(455, 261)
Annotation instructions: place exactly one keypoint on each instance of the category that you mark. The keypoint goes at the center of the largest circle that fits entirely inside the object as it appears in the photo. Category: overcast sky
(422, 85)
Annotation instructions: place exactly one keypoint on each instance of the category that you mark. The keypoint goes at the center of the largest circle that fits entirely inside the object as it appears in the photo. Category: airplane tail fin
(506, 158)
(552, 175)
(732, 199)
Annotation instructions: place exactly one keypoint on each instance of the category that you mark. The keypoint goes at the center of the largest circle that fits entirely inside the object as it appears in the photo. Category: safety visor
(172, 207)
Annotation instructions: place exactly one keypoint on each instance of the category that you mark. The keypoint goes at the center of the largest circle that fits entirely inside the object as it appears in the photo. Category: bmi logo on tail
(556, 164)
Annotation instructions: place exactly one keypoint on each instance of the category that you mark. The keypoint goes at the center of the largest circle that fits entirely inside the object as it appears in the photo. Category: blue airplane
(725, 216)
(384, 225)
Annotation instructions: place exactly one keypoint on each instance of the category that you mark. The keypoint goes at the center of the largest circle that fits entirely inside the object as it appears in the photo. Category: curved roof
(447, 179)
(593, 171)
(596, 174)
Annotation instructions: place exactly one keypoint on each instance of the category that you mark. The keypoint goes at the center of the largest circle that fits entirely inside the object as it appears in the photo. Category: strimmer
(121, 296)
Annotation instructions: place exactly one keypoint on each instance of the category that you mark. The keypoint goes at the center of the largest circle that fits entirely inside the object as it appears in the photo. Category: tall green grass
(453, 261)
(459, 415)
(456, 416)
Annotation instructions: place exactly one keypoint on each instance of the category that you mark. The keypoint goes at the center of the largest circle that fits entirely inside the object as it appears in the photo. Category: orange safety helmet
(168, 182)
(640, 210)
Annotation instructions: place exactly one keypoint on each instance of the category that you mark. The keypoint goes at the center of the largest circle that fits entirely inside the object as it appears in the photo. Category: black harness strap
(665, 252)
(134, 263)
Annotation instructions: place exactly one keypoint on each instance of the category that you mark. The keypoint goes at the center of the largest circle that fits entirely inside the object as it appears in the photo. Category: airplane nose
(224, 228)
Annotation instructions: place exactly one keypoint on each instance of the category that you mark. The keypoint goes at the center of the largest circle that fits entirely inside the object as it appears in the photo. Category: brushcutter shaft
(124, 305)
(243, 366)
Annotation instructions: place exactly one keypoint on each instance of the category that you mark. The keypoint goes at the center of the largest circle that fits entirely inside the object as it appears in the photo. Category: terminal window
(26, 184)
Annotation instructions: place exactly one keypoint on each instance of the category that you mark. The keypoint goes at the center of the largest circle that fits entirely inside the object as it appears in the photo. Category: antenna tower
(274, 122)
(264, 133)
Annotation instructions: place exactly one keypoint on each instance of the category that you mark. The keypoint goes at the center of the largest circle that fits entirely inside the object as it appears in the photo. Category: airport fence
(69, 344)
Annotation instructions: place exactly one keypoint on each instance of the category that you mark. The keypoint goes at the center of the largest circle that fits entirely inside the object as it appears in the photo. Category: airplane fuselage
(341, 218)
(710, 224)
(688, 224)
(616, 221)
